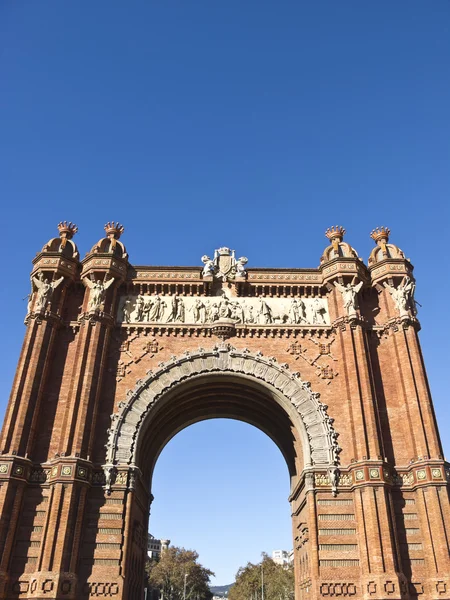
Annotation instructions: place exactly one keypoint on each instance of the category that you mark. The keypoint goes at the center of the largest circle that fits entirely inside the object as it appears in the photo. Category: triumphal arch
(326, 361)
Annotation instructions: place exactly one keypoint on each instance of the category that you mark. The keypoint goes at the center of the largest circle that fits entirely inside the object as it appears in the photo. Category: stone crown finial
(380, 233)
(335, 232)
(67, 229)
(114, 229)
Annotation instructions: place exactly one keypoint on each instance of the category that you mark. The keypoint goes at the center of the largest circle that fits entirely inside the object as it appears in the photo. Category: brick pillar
(55, 270)
(102, 269)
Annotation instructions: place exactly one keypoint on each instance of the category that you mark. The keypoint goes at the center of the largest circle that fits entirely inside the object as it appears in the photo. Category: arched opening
(222, 382)
(212, 396)
(221, 487)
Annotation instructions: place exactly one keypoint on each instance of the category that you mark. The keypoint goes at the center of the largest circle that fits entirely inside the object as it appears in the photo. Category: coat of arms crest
(224, 265)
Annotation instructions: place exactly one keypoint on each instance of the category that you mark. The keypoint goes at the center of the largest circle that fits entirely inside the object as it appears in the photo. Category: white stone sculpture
(224, 308)
(264, 312)
(139, 308)
(297, 311)
(198, 311)
(319, 312)
(146, 308)
(126, 310)
(45, 290)
(403, 297)
(333, 476)
(349, 296)
(210, 268)
(98, 289)
(224, 265)
(250, 310)
(173, 306)
(240, 266)
(181, 311)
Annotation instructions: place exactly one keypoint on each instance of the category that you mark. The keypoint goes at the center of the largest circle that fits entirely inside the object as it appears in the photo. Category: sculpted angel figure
(349, 295)
(98, 289)
(210, 268)
(403, 296)
(45, 290)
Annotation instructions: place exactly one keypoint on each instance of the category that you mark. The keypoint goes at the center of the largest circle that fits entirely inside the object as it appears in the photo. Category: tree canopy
(276, 580)
(174, 567)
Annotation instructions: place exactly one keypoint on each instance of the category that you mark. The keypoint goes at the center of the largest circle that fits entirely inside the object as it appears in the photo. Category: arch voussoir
(301, 402)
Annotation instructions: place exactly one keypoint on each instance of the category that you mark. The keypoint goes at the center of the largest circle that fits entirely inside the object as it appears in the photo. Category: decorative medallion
(436, 473)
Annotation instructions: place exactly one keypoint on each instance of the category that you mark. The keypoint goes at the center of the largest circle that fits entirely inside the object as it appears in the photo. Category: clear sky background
(255, 125)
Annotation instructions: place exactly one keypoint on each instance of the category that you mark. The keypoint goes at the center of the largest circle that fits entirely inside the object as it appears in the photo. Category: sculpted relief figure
(45, 290)
(181, 311)
(198, 311)
(264, 313)
(156, 313)
(252, 310)
(98, 290)
(297, 311)
(224, 308)
(127, 309)
(173, 307)
(349, 296)
(403, 296)
(319, 312)
(139, 308)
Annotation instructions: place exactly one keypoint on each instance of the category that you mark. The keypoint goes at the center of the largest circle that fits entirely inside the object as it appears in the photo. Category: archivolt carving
(309, 412)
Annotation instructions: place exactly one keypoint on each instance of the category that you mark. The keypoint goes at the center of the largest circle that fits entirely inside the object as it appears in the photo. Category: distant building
(283, 557)
(155, 546)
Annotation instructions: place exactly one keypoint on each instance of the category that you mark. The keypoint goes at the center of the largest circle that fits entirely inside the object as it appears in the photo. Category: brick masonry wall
(72, 528)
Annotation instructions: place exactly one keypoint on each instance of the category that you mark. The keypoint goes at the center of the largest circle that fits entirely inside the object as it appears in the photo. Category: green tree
(175, 567)
(276, 580)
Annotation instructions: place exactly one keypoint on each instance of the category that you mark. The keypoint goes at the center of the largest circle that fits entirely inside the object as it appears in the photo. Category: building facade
(283, 557)
(155, 546)
(327, 362)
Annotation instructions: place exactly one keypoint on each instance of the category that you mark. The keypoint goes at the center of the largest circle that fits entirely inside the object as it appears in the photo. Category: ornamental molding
(304, 406)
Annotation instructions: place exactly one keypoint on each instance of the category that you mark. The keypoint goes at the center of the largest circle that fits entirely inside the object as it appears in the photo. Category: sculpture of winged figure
(403, 296)
(98, 289)
(349, 295)
(45, 289)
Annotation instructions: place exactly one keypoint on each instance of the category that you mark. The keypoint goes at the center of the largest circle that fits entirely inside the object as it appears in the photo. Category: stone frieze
(207, 310)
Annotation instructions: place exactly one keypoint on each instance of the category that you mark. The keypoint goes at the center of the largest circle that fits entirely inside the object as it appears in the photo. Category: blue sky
(254, 125)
